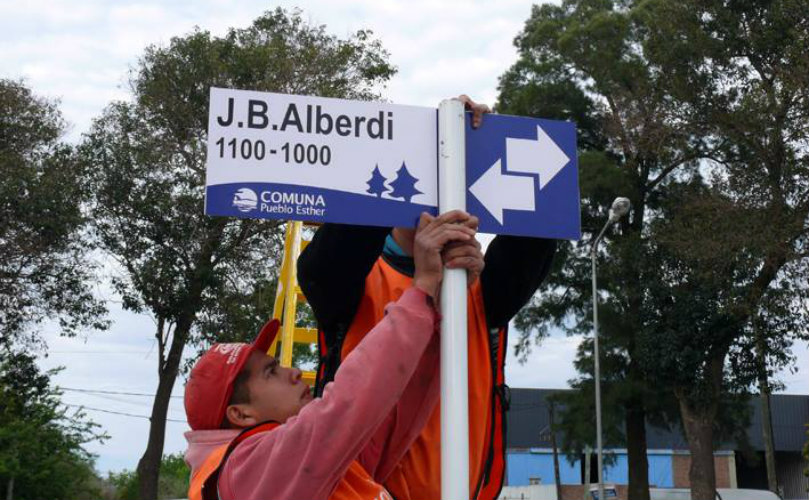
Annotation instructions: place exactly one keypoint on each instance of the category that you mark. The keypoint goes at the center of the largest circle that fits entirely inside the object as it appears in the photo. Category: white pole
(597, 360)
(619, 208)
(454, 372)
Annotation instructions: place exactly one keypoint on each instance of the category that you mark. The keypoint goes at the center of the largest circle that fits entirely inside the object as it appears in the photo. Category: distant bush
(173, 482)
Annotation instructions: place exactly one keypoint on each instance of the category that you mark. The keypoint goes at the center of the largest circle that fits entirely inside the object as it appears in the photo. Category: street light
(619, 208)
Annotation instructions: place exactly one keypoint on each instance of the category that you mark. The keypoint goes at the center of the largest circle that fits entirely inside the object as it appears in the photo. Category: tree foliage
(697, 111)
(174, 480)
(148, 160)
(583, 61)
(240, 314)
(44, 268)
(735, 247)
(41, 453)
(746, 69)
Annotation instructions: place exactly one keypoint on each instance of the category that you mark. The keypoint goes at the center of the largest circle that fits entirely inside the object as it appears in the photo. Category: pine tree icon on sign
(404, 185)
(376, 184)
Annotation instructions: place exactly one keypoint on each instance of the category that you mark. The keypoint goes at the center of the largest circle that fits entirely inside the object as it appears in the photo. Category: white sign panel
(318, 159)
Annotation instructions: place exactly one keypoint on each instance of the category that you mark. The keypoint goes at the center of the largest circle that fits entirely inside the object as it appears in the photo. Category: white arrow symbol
(541, 156)
(497, 191)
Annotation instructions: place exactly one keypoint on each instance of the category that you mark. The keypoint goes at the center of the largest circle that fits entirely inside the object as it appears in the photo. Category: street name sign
(522, 177)
(282, 156)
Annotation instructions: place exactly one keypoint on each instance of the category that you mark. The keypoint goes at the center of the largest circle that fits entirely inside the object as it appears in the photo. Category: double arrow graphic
(497, 190)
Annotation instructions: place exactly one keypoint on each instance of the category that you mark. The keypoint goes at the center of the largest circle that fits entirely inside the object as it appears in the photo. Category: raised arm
(400, 429)
(403, 425)
(307, 455)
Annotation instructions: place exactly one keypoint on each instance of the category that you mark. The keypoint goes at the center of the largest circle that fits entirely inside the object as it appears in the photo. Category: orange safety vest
(418, 474)
(356, 483)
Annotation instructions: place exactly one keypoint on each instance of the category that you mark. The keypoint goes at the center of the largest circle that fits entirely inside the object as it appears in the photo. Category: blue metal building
(530, 456)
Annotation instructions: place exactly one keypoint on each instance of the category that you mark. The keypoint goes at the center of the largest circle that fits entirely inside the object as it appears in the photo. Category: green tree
(174, 480)
(41, 453)
(148, 157)
(237, 316)
(744, 66)
(44, 269)
(702, 107)
(583, 60)
(690, 334)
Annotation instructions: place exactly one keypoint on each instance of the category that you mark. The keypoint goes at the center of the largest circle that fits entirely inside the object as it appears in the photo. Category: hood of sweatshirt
(202, 443)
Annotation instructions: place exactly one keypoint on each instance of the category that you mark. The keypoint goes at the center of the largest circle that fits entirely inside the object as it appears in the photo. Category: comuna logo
(293, 198)
(245, 200)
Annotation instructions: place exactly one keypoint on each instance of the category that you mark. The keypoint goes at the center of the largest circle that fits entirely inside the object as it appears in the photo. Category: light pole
(619, 208)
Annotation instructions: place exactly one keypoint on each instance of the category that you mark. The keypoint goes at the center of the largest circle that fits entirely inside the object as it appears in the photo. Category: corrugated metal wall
(789, 471)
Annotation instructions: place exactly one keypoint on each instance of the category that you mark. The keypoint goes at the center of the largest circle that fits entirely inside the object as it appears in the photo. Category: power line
(120, 393)
(100, 352)
(106, 396)
(121, 413)
(141, 405)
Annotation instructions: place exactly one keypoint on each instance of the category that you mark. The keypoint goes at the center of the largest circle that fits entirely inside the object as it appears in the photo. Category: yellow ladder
(288, 297)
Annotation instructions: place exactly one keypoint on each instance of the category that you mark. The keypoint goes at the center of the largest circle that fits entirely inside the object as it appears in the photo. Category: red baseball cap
(210, 384)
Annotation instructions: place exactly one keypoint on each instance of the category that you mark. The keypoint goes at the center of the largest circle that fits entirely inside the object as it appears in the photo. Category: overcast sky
(81, 52)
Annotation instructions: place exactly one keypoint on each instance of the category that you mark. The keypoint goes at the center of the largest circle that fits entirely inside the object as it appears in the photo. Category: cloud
(60, 14)
(550, 364)
(441, 48)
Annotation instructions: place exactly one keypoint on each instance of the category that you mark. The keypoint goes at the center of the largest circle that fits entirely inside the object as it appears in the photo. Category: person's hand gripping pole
(433, 236)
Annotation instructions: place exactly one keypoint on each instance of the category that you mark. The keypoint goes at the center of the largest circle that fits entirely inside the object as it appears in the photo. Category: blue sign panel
(522, 177)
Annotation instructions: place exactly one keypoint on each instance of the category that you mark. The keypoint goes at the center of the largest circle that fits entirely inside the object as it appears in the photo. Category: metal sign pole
(454, 372)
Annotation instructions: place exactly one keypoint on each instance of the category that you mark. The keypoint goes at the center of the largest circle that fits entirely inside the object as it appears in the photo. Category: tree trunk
(766, 431)
(638, 462)
(10, 489)
(699, 432)
(698, 421)
(766, 414)
(149, 464)
(587, 473)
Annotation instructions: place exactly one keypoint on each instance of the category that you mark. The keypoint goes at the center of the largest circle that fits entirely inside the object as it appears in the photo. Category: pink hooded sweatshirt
(380, 399)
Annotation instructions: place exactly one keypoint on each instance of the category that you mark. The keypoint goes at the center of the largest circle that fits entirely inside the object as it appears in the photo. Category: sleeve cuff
(416, 298)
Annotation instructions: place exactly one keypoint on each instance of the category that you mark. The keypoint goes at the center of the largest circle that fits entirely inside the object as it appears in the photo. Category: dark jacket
(333, 267)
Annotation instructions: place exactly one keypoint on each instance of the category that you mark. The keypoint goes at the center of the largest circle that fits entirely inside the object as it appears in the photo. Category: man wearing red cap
(257, 433)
